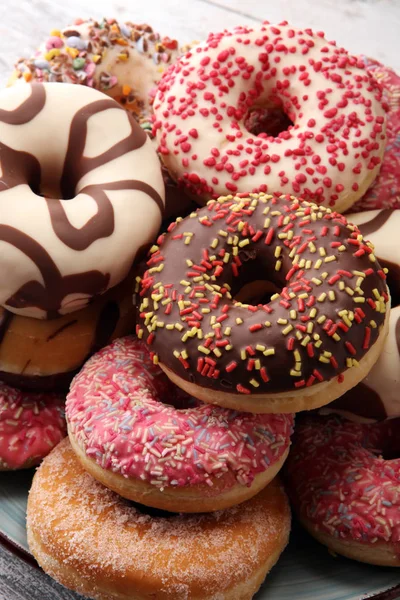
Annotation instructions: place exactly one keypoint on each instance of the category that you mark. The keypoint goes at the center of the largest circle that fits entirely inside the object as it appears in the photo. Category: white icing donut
(71, 142)
(330, 155)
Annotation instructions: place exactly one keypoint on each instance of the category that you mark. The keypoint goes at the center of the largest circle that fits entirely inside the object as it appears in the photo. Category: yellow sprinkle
(214, 243)
(323, 359)
(278, 251)
(373, 324)
(170, 326)
(254, 383)
(155, 359)
(336, 337)
(223, 233)
(238, 320)
(282, 321)
(310, 327)
(331, 295)
(217, 352)
(299, 336)
(321, 297)
(318, 263)
(322, 251)
(316, 281)
(52, 53)
(257, 364)
(243, 354)
(312, 247)
(297, 356)
(321, 319)
(293, 314)
(240, 226)
(342, 248)
(179, 327)
(278, 265)
(303, 296)
(372, 258)
(313, 313)
(176, 354)
(228, 347)
(274, 296)
(203, 349)
(359, 300)
(226, 257)
(287, 329)
(227, 330)
(244, 243)
(376, 294)
(267, 223)
(140, 334)
(269, 352)
(295, 373)
(267, 323)
(305, 340)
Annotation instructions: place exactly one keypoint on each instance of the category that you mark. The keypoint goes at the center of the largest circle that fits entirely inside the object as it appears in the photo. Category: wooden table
(361, 26)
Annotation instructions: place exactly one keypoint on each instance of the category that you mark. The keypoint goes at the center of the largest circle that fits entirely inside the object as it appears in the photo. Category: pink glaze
(116, 412)
(31, 425)
(339, 481)
(385, 192)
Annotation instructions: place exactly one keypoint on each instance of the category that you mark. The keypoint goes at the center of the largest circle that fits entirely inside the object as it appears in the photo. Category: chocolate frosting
(327, 316)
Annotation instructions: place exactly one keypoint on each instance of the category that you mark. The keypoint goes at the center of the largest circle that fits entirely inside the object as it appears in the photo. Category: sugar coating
(339, 481)
(328, 156)
(117, 412)
(31, 424)
(93, 530)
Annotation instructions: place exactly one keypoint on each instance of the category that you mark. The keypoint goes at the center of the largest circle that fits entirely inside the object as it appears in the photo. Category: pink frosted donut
(345, 486)
(330, 154)
(128, 434)
(31, 425)
(385, 191)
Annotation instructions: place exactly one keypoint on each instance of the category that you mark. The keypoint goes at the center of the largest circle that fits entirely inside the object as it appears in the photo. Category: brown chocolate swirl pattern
(81, 192)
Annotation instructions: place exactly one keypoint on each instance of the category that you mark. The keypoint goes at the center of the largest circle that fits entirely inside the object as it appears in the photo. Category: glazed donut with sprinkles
(330, 154)
(201, 458)
(318, 336)
(343, 479)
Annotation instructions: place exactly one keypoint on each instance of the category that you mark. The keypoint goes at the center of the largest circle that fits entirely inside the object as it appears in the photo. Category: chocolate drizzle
(49, 295)
(23, 168)
(376, 223)
(28, 110)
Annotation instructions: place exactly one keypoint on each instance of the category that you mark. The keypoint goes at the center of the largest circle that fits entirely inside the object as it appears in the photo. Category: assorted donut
(173, 344)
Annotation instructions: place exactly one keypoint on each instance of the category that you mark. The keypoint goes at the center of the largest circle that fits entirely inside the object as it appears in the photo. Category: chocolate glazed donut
(49, 297)
(311, 342)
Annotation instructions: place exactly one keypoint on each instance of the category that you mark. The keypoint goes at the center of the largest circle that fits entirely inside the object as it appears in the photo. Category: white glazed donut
(73, 143)
(331, 154)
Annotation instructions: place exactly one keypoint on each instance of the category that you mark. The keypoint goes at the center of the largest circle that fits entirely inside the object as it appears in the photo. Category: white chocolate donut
(73, 143)
(331, 154)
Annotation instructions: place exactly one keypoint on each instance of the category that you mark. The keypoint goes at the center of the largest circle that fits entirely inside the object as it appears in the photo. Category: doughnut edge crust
(254, 535)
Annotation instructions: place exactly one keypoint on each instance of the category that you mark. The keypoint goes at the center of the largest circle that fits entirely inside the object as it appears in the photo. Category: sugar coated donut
(377, 396)
(382, 228)
(198, 459)
(57, 254)
(317, 337)
(344, 490)
(385, 191)
(30, 426)
(95, 542)
(330, 155)
(46, 354)
(123, 60)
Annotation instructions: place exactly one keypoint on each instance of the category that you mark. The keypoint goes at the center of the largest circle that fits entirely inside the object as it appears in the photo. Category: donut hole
(267, 121)
(388, 442)
(256, 292)
(179, 399)
(49, 188)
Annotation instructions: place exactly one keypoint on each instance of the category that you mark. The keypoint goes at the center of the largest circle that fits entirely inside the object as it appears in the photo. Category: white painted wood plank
(362, 26)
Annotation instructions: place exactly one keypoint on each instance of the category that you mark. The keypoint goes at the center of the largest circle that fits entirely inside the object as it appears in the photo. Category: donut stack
(264, 302)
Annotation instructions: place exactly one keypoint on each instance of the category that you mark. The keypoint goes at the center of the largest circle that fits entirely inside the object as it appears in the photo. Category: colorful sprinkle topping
(31, 425)
(331, 303)
(340, 482)
(118, 412)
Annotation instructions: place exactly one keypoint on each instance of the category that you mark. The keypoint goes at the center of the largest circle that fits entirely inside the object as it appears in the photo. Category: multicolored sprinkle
(341, 482)
(327, 315)
(31, 424)
(120, 410)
